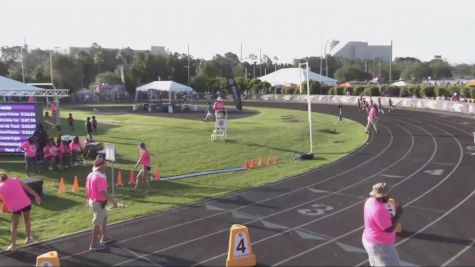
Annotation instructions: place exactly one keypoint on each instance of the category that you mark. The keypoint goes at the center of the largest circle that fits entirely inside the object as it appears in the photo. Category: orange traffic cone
(260, 162)
(253, 164)
(247, 164)
(132, 178)
(269, 161)
(62, 189)
(276, 161)
(157, 175)
(119, 179)
(4, 207)
(76, 184)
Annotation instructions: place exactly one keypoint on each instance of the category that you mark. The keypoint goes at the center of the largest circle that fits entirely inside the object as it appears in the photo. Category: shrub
(371, 91)
(428, 91)
(442, 91)
(414, 90)
(405, 92)
(359, 90)
(324, 90)
(332, 91)
(348, 89)
(465, 92)
(472, 92)
(391, 91)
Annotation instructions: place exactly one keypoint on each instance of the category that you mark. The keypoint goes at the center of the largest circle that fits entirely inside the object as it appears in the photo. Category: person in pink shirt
(379, 233)
(15, 198)
(144, 173)
(218, 107)
(29, 148)
(64, 154)
(50, 152)
(76, 150)
(372, 116)
(96, 192)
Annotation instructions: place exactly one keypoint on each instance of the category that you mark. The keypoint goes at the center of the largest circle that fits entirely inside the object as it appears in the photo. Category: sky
(279, 28)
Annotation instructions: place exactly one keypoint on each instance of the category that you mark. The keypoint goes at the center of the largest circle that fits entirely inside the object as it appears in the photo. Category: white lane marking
(428, 209)
(392, 176)
(138, 255)
(459, 254)
(443, 163)
(435, 172)
(242, 215)
(314, 190)
(310, 235)
(350, 248)
(395, 185)
(213, 208)
(273, 225)
(406, 263)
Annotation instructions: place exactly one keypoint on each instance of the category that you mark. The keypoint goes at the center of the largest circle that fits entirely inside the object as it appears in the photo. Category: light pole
(188, 64)
(308, 101)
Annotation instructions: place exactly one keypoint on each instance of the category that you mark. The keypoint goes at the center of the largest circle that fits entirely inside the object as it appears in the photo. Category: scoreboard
(18, 122)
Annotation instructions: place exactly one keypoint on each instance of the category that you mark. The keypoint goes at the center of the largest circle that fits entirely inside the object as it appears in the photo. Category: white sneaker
(50, 168)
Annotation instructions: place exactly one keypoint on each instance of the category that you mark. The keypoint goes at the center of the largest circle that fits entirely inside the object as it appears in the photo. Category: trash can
(170, 109)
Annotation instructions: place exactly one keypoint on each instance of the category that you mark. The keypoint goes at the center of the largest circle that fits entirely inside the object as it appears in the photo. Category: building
(363, 51)
(154, 50)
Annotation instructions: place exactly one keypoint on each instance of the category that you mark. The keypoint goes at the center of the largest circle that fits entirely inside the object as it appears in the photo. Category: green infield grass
(181, 146)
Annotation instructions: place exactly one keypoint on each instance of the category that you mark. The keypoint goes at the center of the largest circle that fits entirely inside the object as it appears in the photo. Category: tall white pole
(390, 62)
(188, 64)
(309, 111)
(51, 65)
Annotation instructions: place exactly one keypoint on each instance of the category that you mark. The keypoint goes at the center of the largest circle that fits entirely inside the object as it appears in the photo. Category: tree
(345, 74)
(440, 69)
(40, 75)
(416, 72)
(108, 77)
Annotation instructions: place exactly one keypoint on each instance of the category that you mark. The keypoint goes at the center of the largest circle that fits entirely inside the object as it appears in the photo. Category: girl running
(144, 173)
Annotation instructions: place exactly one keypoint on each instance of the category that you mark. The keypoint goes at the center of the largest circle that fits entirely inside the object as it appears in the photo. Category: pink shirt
(373, 112)
(51, 150)
(75, 147)
(95, 184)
(30, 149)
(218, 105)
(376, 219)
(145, 158)
(13, 194)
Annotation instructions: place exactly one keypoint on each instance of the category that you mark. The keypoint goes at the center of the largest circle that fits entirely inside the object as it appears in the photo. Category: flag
(333, 44)
(236, 93)
(122, 76)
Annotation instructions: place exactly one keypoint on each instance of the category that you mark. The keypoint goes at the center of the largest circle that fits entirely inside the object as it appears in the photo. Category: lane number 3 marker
(315, 210)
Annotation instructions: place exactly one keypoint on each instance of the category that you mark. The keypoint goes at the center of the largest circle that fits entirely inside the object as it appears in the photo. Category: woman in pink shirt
(18, 202)
(372, 114)
(50, 152)
(76, 149)
(30, 147)
(379, 233)
(144, 173)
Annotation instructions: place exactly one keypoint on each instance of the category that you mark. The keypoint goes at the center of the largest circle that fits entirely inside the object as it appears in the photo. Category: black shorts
(25, 209)
(147, 168)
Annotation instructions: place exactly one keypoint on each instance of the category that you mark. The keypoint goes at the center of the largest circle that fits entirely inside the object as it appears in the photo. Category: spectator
(209, 111)
(89, 129)
(76, 150)
(51, 154)
(30, 149)
(94, 125)
(64, 154)
(379, 233)
(41, 139)
(144, 173)
(96, 192)
(71, 121)
(18, 202)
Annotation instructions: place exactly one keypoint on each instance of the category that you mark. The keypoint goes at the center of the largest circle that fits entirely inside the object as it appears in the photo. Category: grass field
(183, 146)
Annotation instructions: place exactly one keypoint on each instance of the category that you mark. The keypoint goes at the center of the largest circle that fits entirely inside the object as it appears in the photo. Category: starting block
(49, 259)
(240, 250)
(391, 206)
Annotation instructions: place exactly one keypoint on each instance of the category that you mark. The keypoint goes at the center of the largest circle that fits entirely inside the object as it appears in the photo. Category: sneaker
(107, 241)
(101, 246)
(29, 241)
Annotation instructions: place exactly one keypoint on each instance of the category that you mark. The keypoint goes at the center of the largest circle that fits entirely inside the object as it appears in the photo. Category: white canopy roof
(287, 76)
(401, 83)
(9, 87)
(169, 86)
(7, 84)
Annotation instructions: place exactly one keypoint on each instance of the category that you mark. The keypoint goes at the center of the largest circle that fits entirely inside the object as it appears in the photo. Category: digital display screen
(17, 123)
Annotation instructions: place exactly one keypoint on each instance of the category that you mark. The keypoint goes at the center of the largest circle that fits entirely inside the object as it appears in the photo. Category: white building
(363, 51)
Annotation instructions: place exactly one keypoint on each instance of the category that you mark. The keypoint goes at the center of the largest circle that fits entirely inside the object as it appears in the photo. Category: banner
(236, 94)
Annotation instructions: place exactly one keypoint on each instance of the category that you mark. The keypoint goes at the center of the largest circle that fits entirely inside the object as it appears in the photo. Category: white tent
(284, 77)
(401, 83)
(168, 86)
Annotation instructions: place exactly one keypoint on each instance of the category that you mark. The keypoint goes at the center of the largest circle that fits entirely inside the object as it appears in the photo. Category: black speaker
(36, 185)
(306, 156)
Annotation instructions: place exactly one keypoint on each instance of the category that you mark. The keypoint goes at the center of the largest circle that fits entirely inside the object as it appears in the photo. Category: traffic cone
(253, 164)
(5, 208)
(132, 178)
(76, 184)
(247, 164)
(260, 162)
(157, 175)
(269, 161)
(119, 179)
(62, 189)
(276, 161)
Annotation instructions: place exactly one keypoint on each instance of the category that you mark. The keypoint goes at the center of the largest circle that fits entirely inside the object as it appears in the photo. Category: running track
(315, 218)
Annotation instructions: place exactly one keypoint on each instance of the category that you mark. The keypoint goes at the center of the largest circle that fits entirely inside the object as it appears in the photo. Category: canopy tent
(401, 83)
(345, 85)
(9, 87)
(471, 83)
(286, 76)
(164, 86)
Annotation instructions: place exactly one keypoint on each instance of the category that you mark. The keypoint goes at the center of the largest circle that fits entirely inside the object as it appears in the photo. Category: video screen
(18, 122)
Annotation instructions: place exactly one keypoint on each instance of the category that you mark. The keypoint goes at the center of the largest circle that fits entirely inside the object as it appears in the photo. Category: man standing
(96, 191)
(379, 233)
(89, 129)
(17, 201)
